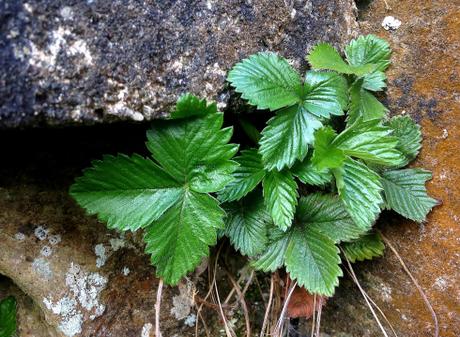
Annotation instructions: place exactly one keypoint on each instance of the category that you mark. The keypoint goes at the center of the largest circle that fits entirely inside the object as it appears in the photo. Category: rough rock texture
(67, 62)
(424, 82)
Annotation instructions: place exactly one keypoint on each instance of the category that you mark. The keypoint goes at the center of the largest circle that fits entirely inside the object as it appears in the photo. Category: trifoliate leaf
(406, 194)
(375, 81)
(8, 317)
(363, 104)
(280, 194)
(368, 49)
(326, 155)
(189, 105)
(309, 174)
(126, 192)
(325, 93)
(246, 224)
(184, 145)
(365, 248)
(267, 81)
(179, 240)
(408, 134)
(326, 213)
(286, 137)
(169, 198)
(325, 56)
(273, 256)
(247, 176)
(359, 188)
(312, 259)
(371, 142)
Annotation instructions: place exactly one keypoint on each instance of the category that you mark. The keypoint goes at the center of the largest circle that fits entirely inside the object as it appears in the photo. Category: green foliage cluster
(328, 133)
(7, 317)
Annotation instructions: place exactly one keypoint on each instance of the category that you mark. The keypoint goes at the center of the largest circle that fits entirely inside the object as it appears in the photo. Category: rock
(98, 61)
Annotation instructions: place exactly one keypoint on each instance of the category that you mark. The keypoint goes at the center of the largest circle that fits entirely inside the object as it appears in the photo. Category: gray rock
(88, 61)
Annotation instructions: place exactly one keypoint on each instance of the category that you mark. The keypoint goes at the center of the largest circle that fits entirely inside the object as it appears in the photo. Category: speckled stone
(73, 62)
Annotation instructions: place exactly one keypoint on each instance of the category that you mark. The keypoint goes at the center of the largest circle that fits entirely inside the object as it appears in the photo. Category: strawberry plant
(8, 317)
(328, 136)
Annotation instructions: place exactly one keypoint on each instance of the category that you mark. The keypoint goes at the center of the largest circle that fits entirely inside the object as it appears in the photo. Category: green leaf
(167, 197)
(247, 176)
(409, 136)
(365, 248)
(363, 104)
(325, 93)
(7, 317)
(375, 81)
(189, 105)
(371, 142)
(212, 177)
(326, 155)
(359, 188)
(406, 194)
(280, 193)
(273, 256)
(246, 224)
(182, 146)
(326, 214)
(267, 81)
(286, 137)
(309, 174)
(369, 49)
(126, 192)
(179, 240)
(324, 56)
(312, 259)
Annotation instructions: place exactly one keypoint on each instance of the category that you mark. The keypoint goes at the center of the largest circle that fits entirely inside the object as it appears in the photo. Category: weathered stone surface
(64, 62)
(424, 82)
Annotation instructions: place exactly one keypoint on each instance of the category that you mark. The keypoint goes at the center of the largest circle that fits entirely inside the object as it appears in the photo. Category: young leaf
(313, 260)
(368, 49)
(8, 317)
(247, 176)
(179, 240)
(371, 142)
(309, 174)
(359, 188)
(280, 194)
(246, 224)
(325, 93)
(365, 248)
(326, 214)
(267, 81)
(126, 192)
(324, 56)
(189, 105)
(286, 137)
(326, 155)
(408, 134)
(250, 130)
(406, 194)
(169, 198)
(363, 104)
